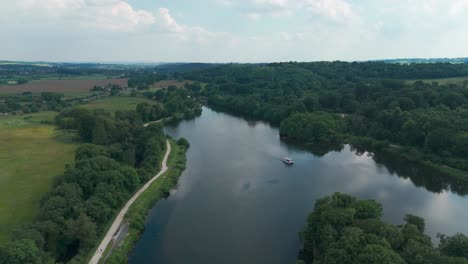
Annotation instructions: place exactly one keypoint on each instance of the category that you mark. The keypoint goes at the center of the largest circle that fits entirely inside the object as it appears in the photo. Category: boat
(288, 161)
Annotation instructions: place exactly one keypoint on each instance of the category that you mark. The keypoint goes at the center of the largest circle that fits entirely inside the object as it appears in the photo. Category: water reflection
(238, 203)
(419, 175)
(318, 150)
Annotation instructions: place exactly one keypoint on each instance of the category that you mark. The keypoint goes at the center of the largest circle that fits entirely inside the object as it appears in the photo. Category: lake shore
(138, 211)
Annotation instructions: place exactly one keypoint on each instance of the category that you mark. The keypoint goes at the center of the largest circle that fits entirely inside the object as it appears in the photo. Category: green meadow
(115, 103)
(32, 154)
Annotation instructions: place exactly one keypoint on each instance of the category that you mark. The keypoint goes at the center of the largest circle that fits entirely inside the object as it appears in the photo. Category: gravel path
(118, 220)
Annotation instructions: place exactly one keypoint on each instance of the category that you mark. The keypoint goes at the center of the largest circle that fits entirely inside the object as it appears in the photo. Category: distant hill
(184, 67)
(428, 60)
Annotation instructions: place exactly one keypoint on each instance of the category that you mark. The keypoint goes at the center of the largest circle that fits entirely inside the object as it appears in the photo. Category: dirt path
(157, 121)
(118, 220)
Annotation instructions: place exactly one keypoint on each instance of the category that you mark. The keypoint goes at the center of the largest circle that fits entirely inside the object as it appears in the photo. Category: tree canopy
(346, 230)
(373, 100)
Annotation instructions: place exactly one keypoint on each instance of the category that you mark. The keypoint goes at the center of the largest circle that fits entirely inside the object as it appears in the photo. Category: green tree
(83, 229)
(373, 254)
(20, 252)
(455, 246)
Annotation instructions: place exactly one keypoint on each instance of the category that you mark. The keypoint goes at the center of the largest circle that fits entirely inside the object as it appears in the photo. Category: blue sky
(231, 30)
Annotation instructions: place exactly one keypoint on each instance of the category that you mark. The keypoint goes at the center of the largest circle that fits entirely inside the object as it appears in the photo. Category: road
(118, 220)
(157, 121)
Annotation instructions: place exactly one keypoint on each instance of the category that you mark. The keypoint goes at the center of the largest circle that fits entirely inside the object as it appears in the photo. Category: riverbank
(117, 223)
(440, 164)
(411, 154)
(232, 191)
(136, 214)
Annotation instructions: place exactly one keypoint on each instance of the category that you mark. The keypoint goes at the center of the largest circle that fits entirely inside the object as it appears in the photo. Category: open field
(75, 86)
(113, 104)
(31, 156)
(443, 81)
(11, 80)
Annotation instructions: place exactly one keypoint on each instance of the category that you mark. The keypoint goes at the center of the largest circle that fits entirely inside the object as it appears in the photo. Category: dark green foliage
(172, 102)
(183, 142)
(143, 81)
(455, 246)
(26, 102)
(75, 213)
(371, 99)
(345, 230)
(312, 127)
(20, 252)
(148, 112)
(415, 220)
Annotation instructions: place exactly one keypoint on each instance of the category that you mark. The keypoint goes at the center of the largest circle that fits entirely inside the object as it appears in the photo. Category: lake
(238, 203)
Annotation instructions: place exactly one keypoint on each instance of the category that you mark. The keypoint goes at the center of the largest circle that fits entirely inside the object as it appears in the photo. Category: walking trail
(118, 220)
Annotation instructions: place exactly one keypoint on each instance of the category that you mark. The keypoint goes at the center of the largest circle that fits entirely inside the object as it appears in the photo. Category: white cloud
(254, 16)
(293, 36)
(113, 15)
(337, 10)
(285, 36)
(168, 22)
(268, 30)
(458, 7)
(118, 16)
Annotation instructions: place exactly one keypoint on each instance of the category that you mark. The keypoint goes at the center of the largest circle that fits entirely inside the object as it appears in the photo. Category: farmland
(113, 104)
(32, 154)
(68, 87)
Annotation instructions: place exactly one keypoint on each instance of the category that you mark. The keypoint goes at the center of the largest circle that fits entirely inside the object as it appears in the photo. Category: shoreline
(136, 216)
(120, 216)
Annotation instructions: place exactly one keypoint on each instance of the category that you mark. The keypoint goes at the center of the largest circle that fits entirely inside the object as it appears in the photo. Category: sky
(231, 30)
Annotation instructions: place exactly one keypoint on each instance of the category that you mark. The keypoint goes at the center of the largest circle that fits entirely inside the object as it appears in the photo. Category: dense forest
(116, 156)
(370, 103)
(345, 230)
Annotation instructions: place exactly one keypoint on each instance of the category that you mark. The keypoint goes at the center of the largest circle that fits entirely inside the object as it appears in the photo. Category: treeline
(25, 72)
(178, 103)
(118, 155)
(143, 81)
(345, 230)
(431, 119)
(379, 70)
(28, 102)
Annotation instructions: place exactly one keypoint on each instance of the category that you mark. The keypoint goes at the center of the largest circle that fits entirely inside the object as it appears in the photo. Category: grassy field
(31, 155)
(78, 86)
(137, 213)
(443, 81)
(11, 80)
(113, 104)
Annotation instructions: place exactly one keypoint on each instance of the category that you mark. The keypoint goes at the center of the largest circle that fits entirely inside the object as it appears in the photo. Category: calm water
(238, 203)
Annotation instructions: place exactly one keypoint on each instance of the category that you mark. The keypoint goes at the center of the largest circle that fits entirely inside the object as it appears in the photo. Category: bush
(183, 142)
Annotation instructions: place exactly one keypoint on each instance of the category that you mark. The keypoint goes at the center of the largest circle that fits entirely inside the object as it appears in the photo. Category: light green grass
(138, 212)
(31, 156)
(113, 104)
(28, 119)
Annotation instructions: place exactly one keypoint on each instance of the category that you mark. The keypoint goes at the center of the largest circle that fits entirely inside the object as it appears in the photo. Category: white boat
(288, 161)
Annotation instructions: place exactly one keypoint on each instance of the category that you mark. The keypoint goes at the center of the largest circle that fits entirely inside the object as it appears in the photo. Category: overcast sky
(231, 30)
